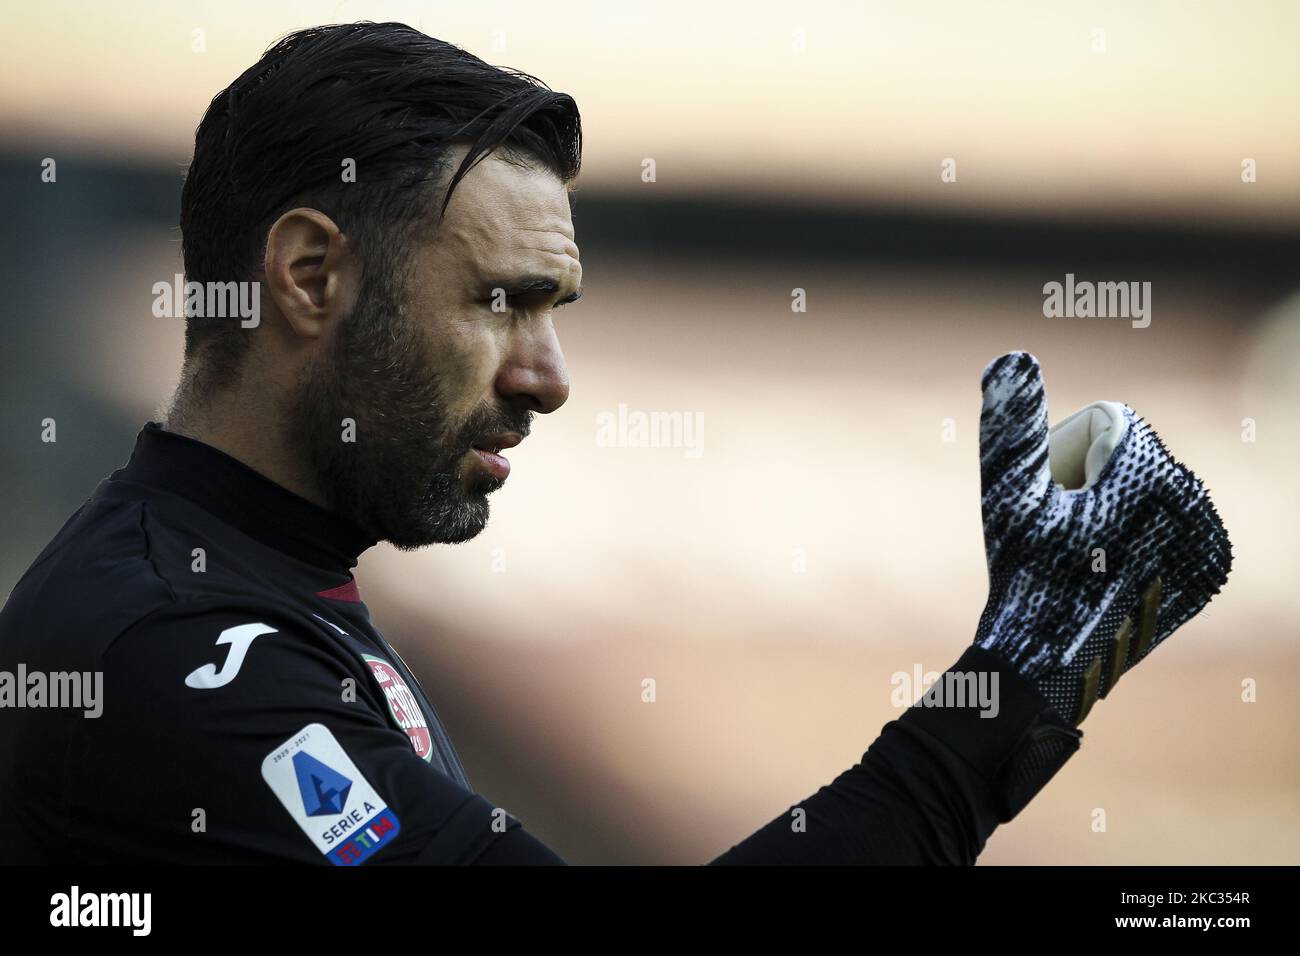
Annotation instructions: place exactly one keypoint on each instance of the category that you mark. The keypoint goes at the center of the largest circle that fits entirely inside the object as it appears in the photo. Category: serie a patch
(328, 797)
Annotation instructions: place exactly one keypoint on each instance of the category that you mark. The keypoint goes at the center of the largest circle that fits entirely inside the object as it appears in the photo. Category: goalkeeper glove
(1099, 544)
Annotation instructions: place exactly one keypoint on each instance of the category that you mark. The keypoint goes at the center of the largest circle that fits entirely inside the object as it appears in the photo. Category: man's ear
(310, 272)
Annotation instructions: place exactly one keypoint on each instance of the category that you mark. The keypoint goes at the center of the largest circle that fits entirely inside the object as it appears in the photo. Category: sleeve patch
(328, 797)
(402, 705)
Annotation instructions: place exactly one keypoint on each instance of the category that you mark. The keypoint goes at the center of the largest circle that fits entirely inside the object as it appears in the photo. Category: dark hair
(385, 95)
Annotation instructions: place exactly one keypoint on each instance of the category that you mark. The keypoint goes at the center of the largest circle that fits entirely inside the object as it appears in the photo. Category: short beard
(400, 478)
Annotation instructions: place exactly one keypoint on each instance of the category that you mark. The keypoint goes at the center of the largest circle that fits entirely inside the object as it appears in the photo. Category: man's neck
(249, 431)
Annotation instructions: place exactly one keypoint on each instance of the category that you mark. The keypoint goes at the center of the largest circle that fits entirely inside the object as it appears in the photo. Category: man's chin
(466, 521)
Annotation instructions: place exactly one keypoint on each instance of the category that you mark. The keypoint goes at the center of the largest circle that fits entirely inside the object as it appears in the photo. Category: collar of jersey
(235, 493)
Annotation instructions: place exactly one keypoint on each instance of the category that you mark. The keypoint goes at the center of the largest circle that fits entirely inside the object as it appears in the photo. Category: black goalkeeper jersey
(250, 712)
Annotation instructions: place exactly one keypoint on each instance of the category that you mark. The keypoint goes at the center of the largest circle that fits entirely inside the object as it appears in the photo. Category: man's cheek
(470, 374)
(472, 385)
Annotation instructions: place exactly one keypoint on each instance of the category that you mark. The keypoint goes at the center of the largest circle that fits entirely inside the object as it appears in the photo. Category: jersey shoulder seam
(149, 552)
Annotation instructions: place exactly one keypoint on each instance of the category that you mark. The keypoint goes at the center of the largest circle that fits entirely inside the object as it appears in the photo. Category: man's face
(436, 379)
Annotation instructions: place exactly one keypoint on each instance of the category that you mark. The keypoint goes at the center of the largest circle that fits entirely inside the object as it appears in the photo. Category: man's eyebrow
(532, 285)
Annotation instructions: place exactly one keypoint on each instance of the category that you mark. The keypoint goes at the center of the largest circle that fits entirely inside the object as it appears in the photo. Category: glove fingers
(1014, 462)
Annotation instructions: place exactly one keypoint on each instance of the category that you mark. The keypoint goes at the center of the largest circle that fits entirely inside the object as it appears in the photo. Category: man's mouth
(488, 452)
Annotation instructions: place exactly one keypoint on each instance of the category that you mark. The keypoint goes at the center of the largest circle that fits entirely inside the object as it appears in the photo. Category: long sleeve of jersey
(930, 790)
(305, 764)
(250, 712)
(932, 787)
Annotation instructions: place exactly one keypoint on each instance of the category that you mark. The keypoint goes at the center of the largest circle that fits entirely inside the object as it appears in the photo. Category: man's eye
(510, 303)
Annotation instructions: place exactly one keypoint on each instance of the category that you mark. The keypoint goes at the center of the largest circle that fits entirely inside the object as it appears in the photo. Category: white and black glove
(1099, 544)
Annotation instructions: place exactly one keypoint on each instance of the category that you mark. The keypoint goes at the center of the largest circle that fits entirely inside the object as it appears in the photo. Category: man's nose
(535, 370)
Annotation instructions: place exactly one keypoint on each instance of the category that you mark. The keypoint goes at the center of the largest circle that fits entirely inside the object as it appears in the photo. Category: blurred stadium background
(829, 535)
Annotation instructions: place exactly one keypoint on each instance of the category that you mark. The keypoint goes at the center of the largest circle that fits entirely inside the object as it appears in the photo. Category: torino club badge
(402, 705)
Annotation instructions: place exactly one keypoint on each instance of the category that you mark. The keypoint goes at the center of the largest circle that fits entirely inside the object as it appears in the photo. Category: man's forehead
(502, 216)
